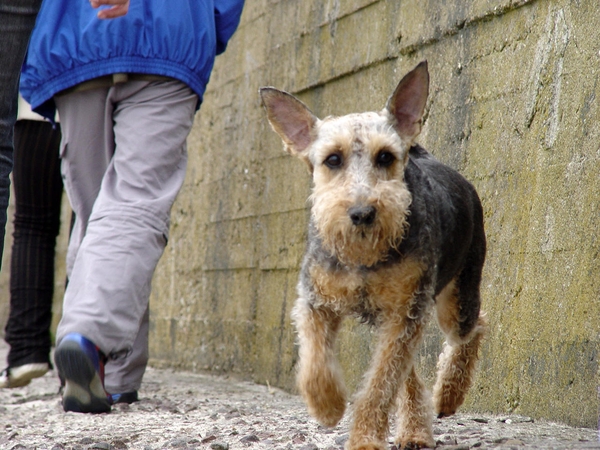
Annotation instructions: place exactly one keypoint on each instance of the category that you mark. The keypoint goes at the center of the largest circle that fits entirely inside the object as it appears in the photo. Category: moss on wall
(513, 106)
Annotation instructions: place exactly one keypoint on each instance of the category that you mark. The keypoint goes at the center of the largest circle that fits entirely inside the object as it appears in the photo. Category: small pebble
(102, 446)
(341, 440)
(250, 438)
(309, 447)
(208, 439)
(219, 446)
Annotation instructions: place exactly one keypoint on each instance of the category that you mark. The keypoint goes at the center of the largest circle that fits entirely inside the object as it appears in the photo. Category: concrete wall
(513, 105)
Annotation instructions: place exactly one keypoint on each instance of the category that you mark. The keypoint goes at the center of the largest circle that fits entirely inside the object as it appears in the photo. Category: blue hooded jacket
(173, 38)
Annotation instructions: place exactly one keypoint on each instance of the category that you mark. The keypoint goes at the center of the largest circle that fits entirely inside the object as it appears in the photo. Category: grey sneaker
(80, 364)
(19, 376)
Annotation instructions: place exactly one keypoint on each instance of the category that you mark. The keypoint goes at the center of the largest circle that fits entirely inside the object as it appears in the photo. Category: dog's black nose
(362, 215)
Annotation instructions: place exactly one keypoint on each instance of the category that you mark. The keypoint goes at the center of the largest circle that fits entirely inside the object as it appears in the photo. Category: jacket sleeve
(227, 18)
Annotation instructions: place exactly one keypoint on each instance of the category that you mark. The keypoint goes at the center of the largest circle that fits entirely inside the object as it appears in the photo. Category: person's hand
(119, 8)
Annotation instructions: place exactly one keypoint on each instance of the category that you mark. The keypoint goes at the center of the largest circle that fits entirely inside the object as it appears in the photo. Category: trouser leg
(38, 192)
(17, 18)
(125, 374)
(109, 284)
(86, 150)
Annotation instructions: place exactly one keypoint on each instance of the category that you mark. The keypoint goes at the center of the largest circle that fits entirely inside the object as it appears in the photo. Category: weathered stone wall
(513, 106)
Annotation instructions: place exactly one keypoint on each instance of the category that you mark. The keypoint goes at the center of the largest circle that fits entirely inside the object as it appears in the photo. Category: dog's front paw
(445, 404)
(416, 442)
(361, 445)
(414, 446)
(328, 408)
(445, 413)
(325, 397)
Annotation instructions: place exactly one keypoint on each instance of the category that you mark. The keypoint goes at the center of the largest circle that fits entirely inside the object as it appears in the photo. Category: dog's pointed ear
(407, 104)
(290, 118)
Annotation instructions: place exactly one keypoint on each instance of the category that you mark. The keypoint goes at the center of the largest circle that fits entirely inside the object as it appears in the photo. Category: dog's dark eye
(333, 161)
(385, 159)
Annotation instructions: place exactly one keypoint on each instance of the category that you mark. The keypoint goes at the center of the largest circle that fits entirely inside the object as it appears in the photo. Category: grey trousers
(124, 158)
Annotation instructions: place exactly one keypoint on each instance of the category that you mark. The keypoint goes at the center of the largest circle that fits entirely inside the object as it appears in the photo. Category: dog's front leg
(415, 414)
(398, 337)
(319, 375)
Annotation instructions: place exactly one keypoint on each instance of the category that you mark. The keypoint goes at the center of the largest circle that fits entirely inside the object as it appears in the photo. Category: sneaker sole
(23, 379)
(83, 388)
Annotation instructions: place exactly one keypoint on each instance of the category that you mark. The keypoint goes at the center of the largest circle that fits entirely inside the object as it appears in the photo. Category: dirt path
(180, 410)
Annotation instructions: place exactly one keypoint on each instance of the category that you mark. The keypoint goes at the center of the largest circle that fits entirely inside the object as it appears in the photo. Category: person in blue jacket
(126, 91)
(17, 18)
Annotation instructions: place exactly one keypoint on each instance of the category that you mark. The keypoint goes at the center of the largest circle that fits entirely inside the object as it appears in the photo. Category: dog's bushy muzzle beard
(361, 233)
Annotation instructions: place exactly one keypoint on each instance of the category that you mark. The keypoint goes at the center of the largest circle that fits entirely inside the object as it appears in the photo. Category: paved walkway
(180, 410)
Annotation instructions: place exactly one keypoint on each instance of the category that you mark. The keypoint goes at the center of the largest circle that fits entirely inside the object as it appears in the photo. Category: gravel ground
(181, 410)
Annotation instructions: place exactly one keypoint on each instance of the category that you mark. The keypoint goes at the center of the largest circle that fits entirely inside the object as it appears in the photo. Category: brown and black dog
(393, 235)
